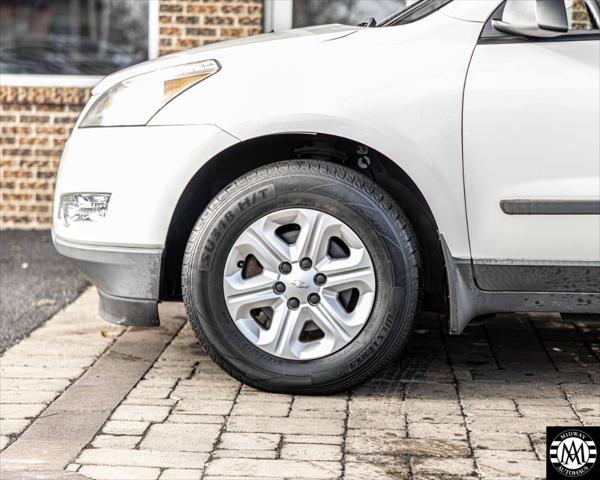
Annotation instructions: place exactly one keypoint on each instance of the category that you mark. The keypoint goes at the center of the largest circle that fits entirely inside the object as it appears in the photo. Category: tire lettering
(247, 202)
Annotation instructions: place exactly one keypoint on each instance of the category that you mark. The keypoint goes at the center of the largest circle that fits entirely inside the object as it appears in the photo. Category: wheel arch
(245, 156)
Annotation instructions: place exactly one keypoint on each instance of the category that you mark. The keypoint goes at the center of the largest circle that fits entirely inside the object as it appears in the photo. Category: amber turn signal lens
(178, 85)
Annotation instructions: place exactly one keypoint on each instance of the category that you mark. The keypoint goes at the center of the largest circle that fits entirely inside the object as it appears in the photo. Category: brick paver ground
(36, 371)
(473, 406)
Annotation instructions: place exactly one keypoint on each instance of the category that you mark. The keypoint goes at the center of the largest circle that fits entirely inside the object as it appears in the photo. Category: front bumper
(128, 279)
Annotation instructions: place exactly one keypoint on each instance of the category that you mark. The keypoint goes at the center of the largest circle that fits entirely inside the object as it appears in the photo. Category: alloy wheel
(299, 284)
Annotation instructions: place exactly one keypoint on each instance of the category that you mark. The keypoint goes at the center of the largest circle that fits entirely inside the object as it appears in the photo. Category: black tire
(355, 200)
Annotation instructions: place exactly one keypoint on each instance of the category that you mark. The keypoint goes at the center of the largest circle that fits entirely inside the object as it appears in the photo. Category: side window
(580, 15)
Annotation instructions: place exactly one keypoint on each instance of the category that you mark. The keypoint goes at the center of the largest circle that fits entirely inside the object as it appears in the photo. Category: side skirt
(468, 301)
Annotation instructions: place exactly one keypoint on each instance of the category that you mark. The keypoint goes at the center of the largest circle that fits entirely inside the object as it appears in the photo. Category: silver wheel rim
(335, 294)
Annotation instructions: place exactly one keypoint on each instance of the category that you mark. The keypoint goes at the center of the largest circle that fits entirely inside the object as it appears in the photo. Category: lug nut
(293, 303)
(305, 263)
(279, 287)
(320, 279)
(285, 268)
(314, 298)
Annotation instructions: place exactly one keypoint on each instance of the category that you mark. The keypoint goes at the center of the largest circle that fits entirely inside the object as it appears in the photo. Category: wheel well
(246, 156)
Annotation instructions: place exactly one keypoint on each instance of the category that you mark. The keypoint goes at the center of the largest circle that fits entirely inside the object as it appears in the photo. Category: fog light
(82, 207)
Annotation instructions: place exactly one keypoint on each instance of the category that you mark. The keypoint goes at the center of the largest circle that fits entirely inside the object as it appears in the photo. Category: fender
(329, 87)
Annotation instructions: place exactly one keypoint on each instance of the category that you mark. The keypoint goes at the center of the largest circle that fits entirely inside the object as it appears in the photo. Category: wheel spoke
(355, 271)
(352, 321)
(316, 228)
(282, 338)
(330, 320)
(244, 294)
(265, 246)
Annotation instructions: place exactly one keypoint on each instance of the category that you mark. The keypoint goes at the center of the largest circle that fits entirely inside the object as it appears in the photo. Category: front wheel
(302, 277)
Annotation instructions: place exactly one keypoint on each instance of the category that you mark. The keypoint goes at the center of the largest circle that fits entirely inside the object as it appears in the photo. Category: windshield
(414, 12)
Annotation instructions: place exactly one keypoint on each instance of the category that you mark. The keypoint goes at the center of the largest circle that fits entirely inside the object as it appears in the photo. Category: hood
(307, 35)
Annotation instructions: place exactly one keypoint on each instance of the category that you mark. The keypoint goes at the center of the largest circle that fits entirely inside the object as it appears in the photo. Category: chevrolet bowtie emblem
(299, 284)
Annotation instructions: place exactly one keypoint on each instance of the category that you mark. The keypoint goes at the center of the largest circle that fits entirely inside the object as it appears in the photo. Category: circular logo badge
(573, 453)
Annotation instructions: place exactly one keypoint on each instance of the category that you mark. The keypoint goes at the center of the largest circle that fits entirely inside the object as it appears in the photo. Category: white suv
(306, 192)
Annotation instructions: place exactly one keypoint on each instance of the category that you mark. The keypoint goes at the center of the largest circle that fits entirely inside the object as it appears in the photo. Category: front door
(532, 158)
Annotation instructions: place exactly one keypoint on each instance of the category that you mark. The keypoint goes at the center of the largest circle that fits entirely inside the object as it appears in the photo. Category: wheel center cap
(300, 283)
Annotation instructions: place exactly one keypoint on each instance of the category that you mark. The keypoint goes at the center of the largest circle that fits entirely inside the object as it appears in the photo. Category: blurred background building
(53, 51)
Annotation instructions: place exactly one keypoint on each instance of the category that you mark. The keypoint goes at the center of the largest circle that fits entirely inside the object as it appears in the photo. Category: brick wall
(192, 23)
(36, 122)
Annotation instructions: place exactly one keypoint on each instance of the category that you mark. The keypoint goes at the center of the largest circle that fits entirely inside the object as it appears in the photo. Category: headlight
(135, 101)
(82, 207)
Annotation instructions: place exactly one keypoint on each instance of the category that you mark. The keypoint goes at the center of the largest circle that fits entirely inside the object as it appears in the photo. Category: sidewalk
(474, 406)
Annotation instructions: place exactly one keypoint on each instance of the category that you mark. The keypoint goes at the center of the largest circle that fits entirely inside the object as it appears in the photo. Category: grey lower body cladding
(128, 280)
(479, 288)
(572, 277)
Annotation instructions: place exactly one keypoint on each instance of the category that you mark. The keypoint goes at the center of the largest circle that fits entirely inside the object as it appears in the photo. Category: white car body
(471, 122)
